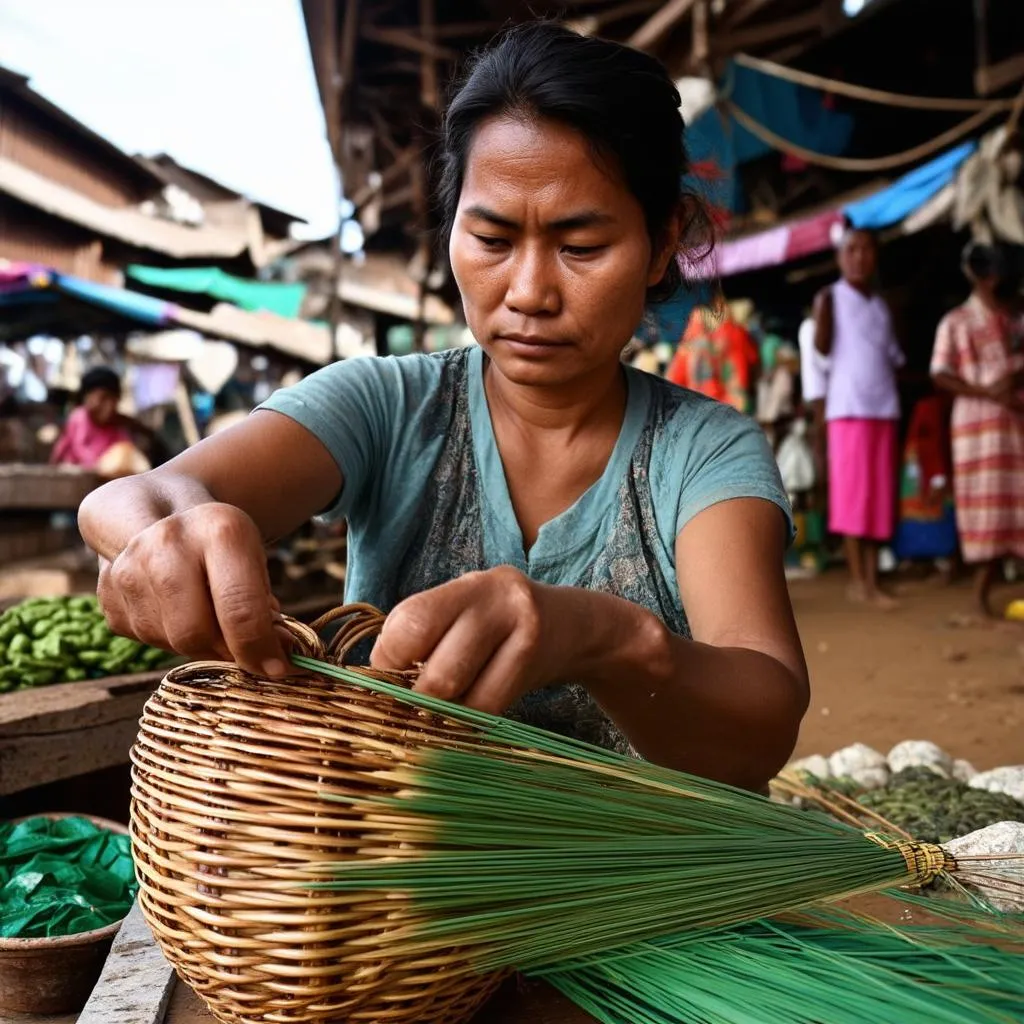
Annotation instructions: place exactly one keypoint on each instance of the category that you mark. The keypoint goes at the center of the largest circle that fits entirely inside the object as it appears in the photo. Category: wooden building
(71, 200)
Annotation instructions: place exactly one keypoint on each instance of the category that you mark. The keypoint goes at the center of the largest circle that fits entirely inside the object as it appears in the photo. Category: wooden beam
(605, 18)
(736, 13)
(384, 133)
(391, 173)
(700, 46)
(660, 23)
(759, 35)
(399, 198)
(407, 40)
(994, 77)
(980, 39)
(461, 29)
(429, 92)
(347, 51)
(322, 28)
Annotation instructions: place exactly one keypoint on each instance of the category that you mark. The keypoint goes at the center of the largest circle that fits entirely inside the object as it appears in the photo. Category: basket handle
(361, 622)
(305, 638)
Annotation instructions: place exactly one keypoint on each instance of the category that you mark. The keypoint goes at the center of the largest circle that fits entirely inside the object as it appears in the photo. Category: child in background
(95, 429)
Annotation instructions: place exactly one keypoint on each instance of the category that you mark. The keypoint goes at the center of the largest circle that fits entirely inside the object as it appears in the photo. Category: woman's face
(551, 253)
(101, 406)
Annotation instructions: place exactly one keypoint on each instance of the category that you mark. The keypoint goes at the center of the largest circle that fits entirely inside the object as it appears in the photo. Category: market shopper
(97, 436)
(978, 359)
(553, 534)
(854, 330)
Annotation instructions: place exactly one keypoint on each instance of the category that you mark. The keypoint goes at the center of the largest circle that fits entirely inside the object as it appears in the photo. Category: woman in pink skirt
(853, 327)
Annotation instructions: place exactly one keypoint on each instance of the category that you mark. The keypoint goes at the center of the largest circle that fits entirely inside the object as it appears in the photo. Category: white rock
(920, 754)
(871, 778)
(963, 771)
(856, 758)
(1008, 780)
(1003, 837)
(815, 765)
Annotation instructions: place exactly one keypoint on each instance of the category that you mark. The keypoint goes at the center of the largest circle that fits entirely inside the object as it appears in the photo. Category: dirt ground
(926, 671)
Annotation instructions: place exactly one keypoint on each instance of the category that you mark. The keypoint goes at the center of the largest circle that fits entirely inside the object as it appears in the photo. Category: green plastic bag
(62, 876)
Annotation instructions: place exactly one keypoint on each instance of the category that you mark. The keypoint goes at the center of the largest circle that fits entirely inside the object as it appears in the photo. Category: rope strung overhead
(863, 92)
(875, 163)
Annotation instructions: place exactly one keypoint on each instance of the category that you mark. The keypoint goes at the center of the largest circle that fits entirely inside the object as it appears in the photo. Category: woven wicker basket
(230, 779)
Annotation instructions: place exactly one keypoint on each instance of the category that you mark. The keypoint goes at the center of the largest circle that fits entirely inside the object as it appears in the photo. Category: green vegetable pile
(934, 809)
(65, 639)
(61, 877)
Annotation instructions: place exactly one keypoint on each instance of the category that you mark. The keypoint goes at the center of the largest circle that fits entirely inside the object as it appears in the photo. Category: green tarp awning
(283, 299)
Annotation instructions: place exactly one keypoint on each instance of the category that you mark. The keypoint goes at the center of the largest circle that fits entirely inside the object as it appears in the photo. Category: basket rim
(50, 942)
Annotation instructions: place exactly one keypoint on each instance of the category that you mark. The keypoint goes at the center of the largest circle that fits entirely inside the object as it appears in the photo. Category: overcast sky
(223, 86)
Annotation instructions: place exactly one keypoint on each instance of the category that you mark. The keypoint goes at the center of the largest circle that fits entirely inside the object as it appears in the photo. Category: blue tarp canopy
(35, 300)
(909, 193)
(795, 112)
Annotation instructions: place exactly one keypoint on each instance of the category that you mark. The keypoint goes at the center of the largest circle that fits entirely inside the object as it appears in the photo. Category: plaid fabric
(975, 345)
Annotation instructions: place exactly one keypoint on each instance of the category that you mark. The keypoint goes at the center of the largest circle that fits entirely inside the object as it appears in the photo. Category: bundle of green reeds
(337, 846)
(820, 966)
(525, 849)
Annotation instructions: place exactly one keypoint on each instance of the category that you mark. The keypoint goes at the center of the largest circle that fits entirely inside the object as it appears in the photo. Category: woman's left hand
(484, 639)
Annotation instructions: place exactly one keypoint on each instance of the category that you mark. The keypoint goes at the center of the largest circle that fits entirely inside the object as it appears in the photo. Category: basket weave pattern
(230, 812)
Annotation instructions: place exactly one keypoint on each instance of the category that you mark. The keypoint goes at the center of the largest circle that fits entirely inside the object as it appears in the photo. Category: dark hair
(100, 378)
(850, 229)
(622, 100)
(981, 262)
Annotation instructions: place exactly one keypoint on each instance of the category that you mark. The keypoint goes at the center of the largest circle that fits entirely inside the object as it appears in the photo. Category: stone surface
(1008, 780)
(1003, 837)
(855, 759)
(815, 765)
(963, 771)
(920, 754)
(871, 778)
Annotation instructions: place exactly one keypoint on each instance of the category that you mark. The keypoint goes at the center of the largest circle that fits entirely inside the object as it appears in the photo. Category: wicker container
(230, 782)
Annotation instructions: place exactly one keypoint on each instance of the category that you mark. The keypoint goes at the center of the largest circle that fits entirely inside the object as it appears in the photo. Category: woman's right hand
(196, 583)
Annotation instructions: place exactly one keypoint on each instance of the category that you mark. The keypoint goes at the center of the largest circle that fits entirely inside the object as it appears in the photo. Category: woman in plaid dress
(979, 359)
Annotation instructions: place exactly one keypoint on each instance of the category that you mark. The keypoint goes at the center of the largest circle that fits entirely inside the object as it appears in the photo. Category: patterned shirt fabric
(864, 359)
(426, 498)
(977, 345)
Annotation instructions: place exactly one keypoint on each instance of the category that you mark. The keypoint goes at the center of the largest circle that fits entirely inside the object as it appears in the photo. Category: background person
(978, 359)
(96, 436)
(854, 330)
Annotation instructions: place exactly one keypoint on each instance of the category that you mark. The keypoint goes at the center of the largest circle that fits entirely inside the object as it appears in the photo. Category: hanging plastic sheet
(62, 876)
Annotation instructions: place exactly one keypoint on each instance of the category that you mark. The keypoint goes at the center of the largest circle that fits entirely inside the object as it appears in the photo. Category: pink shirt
(83, 443)
(865, 357)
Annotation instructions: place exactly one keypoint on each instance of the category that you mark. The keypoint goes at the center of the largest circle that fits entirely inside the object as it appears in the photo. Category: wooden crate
(29, 486)
(32, 535)
(68, 729)
(137, 986)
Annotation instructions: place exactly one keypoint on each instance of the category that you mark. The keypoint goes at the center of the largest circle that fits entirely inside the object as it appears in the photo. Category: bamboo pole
(660, 23)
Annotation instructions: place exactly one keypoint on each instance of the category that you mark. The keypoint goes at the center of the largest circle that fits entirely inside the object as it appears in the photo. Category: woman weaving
(554, 535)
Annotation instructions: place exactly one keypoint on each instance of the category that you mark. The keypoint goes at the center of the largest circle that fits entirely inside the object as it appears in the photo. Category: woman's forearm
(954, 385)
(730, 714)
